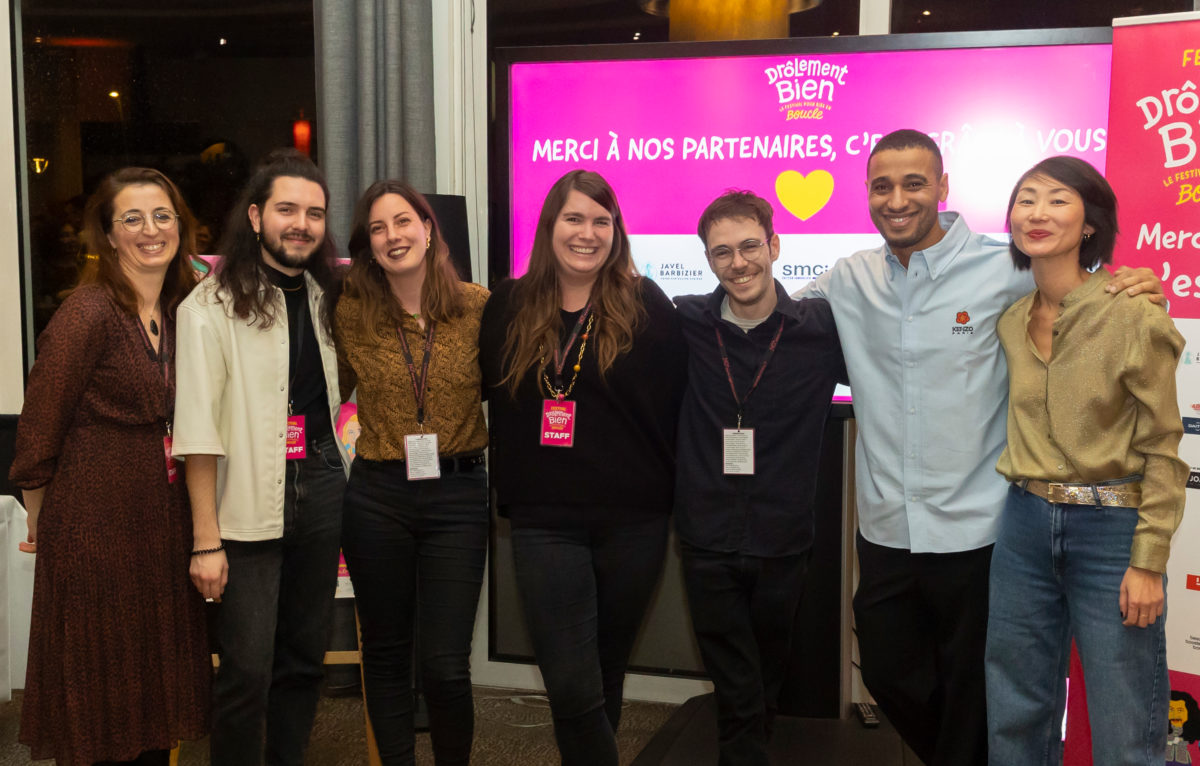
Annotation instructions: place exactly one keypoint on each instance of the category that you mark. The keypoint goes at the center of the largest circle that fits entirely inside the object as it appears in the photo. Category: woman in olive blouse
(1098, 487)
(415, 515)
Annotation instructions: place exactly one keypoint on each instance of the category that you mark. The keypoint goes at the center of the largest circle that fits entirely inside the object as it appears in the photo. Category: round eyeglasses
(134, 222)
(750, 249)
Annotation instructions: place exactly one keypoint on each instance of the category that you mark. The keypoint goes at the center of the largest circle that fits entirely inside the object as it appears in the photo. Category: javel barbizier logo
(805, 87)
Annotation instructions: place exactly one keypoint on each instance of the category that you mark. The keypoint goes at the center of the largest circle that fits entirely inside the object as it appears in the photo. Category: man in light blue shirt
(917, 320)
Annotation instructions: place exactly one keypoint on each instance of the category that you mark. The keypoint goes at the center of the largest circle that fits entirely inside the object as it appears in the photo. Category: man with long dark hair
(256, 407)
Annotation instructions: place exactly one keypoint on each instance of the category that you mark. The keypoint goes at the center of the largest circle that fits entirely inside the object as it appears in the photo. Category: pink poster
(672, 134)
(1154, 166)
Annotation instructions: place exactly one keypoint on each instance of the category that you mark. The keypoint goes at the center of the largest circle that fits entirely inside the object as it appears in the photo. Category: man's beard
(277, 251)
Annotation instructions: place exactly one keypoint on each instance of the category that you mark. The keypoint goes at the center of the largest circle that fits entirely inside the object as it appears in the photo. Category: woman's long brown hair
(616, 303)
(441, 293)
(98, 222)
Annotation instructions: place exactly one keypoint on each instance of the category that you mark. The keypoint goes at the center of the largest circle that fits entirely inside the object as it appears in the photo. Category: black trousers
(416, 551)
(743, 609)
(273, 624)
(585, 592)
(921, 620)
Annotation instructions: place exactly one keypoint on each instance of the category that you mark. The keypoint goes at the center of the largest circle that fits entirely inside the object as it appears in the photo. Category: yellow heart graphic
(804, 196)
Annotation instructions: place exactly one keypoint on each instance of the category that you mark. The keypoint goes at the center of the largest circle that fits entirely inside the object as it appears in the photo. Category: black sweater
(622, 464)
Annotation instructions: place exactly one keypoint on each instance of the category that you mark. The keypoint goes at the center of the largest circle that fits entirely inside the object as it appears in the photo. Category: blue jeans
(273, 624)
(743, 608)
(1056, 574)
(585, 592)
(416, 551)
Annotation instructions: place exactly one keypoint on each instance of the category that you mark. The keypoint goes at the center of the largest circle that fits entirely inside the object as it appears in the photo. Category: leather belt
(461, 462)
(1123, 493)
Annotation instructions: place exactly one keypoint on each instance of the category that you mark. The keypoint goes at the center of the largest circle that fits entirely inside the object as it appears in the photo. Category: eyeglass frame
(165, 225)
(724, 259)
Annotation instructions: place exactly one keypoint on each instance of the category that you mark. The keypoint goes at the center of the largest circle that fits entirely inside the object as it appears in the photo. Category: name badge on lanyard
(421, 459)
(558, 423)
(172, 463)
(738, 443)
(739, 451)
(161, 357)
(558, 414)
(297, 446)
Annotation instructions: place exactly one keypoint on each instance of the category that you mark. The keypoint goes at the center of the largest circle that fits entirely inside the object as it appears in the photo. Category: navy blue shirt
(768, 513)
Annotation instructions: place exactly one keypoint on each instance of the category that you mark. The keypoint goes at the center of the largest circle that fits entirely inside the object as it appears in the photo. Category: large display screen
(671, 133)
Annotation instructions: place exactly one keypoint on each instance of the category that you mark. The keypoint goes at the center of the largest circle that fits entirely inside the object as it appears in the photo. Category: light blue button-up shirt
(930, 385)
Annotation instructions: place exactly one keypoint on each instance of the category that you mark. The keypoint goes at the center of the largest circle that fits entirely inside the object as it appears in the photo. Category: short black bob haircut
(1099, 208)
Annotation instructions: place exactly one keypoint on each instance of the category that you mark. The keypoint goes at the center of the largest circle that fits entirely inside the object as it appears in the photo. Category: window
(199, 89)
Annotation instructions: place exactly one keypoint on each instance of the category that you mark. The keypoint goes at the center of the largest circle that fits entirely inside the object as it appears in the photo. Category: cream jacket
(231, 401)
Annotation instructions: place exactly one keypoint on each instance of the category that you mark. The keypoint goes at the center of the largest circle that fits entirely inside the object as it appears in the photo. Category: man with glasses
(761, 373)
(256, 405)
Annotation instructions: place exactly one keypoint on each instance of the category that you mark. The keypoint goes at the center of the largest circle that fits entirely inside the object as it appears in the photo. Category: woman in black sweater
(584, 365)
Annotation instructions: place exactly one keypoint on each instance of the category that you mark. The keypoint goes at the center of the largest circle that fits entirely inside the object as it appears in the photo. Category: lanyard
(297, 346)
(741, 403)
(418, 383)
(560, 355)
(161, 359)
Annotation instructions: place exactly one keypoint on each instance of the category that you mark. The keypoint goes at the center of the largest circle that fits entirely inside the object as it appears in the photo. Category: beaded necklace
(558, 392)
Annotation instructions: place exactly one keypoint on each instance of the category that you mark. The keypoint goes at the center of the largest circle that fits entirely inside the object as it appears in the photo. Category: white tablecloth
(16, 596)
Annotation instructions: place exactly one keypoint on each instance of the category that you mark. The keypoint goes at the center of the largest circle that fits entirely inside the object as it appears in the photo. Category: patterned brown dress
(118, 655)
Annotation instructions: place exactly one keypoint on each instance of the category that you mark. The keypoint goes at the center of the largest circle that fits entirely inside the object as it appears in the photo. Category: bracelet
(203, 551)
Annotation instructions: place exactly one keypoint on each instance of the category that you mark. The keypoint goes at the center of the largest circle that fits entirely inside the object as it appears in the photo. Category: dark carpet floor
(512, 728)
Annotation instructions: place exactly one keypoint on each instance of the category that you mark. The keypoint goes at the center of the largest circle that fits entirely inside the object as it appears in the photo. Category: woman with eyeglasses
(584, 366)
(1097, 486)
(119, 667)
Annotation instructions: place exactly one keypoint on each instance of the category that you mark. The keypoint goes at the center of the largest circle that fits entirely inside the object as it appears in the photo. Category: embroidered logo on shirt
(961, 327)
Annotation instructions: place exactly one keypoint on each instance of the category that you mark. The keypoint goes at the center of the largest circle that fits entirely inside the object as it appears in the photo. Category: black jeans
(416, 550)
(921, 620)
(273, 624)
(585, 592)
(743, 609)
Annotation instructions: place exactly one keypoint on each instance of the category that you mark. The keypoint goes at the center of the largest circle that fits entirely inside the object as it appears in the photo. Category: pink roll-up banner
(1154, 166)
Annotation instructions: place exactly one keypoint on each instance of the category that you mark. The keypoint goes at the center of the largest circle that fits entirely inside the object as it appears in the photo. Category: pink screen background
(995, 111)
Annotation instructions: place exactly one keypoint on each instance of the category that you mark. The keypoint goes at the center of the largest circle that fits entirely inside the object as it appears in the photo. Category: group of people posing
(1017, 485)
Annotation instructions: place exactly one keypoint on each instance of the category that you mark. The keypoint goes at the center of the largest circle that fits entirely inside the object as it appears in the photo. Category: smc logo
(1193, 582)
